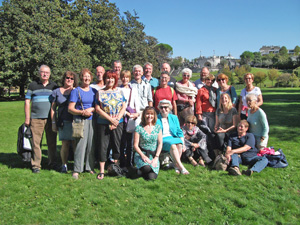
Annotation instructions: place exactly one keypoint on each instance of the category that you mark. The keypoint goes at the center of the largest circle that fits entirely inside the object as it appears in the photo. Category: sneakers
(235, 171)
(247, 172)
(64, 169)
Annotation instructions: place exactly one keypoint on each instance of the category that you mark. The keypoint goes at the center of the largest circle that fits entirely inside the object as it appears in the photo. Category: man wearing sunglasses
(38, 99)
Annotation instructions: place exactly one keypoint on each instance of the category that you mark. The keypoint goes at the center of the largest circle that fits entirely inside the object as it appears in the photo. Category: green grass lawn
(203, 197)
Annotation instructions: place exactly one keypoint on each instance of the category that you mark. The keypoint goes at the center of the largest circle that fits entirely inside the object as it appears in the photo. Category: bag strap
(80, 99)
(129, 97)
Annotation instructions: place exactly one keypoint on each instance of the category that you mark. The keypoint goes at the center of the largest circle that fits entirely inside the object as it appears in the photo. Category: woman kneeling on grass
(241, 149)
(148, 144)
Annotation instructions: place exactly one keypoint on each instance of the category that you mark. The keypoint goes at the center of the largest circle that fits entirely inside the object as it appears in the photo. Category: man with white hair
(144, 89)
(38, 118)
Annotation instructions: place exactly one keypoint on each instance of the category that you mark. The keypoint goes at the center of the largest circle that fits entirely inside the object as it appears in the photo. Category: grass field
(203, 197)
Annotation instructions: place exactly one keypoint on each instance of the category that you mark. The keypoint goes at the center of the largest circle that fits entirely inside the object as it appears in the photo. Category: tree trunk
(22, 90)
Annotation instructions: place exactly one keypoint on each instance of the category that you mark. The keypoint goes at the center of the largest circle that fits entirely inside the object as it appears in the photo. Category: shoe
(36, 170)
(184, 171)
(75, 176)
(235, 171)
(100, 176)
(247, 172)
(64, 169)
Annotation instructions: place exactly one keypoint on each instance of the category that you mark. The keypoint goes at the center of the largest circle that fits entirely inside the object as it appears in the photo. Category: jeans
(256, 163)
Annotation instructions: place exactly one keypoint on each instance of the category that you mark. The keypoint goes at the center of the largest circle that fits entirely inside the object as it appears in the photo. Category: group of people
(145, 121)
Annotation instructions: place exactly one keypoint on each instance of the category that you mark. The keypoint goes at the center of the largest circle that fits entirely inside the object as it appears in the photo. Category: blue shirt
(154, 82)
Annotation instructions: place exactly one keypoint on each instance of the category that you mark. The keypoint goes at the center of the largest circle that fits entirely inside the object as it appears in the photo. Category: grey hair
(251, 96)
(136, 66)
(116, 61)
(147, 63)
(44, 66)
(165, 101)
(187, 70)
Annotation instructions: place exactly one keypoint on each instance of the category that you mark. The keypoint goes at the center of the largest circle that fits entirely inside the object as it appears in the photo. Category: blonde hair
(229, 106)
(191, 118)
(148, 108)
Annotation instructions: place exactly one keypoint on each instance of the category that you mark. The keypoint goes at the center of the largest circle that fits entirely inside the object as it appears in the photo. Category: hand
(221, 130)
(27, 123)
(112, 127)
(146, 159)
(228, 155)
(86, 113)
(54, 127)
(114, 121)
(199, 117)
(134, 115)
(154, 161)
(191, 102)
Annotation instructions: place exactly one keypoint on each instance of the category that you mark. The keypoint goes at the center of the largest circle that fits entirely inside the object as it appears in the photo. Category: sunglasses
(164, 107)
(69, 78)
(190, 122)
(221, 79)
(184, 75)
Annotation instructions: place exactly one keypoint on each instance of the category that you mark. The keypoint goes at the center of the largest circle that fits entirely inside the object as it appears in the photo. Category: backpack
(24, 143)
(220, 163)
(277, 161)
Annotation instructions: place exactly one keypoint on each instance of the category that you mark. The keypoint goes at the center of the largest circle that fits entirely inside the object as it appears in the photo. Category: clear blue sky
(223, 26)
(234, 26)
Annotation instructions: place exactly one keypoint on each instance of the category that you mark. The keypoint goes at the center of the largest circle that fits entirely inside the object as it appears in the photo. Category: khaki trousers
(37, 128)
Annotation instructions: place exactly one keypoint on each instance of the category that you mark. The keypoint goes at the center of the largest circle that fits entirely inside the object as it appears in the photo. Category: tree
(164, 52)
(283, 79)
(177, 62)
(257, 60)
(246, 57)
(240, 72)
(273, 74)
(259, 77)
(296, 50)
(283, 51)
(294, 80)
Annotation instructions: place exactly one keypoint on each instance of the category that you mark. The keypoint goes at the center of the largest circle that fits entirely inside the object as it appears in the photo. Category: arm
(27, 112)
(240, 106)
(174, 107)
(230, 151)
(149, 95)
(53, 116)
(217, 123)
(198, 105)
(158, 149)
(259, 100)
(233, 95)
(104, 115)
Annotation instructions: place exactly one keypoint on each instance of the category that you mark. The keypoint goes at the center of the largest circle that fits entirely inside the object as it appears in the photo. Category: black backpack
(24, 153)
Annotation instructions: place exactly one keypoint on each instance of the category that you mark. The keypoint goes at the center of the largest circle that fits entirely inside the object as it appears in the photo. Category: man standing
(99, 84)
(203, 74)
(148, 69)
(144, 89)
(167, 67)
(117, 67)
(38, 94)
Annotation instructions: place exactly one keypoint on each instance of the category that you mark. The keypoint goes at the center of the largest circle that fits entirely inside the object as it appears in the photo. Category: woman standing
(225, 88)
(132, 112)
(226, 121)
(186, 94)
(110, 105)
(250, 89)
(257, 119)
(61, 118)
(148, 144)
(173, 139)
(82, 107)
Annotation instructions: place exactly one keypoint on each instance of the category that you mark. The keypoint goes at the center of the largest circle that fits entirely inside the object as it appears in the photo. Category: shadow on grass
(276, 90)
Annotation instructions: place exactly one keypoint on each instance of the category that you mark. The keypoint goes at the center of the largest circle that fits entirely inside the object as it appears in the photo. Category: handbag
(220, 163)
(78, 124)
(131, 123)
(115, 170)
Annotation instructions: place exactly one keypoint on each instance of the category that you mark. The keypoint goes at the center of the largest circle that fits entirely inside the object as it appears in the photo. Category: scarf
(190, 91)
(212, 96)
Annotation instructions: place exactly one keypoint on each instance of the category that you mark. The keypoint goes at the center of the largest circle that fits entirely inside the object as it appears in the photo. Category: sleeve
(233, 95)
(264, 123)
(29, 91)
(149, 94)
(229, 143)
(174, 97)
(179, 131)
(250, 140)
(199, 102)
(233, 111)
(54, 95)
(74, 95)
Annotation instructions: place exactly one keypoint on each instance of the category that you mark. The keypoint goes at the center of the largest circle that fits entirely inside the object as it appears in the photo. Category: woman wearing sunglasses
(225, 88)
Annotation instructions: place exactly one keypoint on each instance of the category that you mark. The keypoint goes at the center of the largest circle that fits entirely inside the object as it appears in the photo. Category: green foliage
(259, 77)
(257, 60)
(240, 72)
(296, 50)
(203, 197)
(272, 75)
(163, 52)
(283, 51)
(283, 79)
(176, 62)
(246, 57)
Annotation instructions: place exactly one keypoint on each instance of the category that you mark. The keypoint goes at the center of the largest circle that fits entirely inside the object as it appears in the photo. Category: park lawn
(203, 197)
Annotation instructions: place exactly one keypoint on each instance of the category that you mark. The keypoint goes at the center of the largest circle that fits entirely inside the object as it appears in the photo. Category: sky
(194, 27)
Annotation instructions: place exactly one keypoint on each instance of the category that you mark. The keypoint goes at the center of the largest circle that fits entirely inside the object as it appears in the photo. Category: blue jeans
(257, 163)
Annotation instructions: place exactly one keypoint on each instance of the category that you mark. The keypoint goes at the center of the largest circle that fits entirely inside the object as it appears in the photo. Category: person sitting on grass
(241, 150)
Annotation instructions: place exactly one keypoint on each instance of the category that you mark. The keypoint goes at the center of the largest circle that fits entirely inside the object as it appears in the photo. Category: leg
(51, 142)
(234, 165)
(148, 173)
(129, 150)
(104, 137)
(123, 146)
(90, 155)
(64, 152)
(176, 156)
(37, 128)
(116, 136)
(257, 163)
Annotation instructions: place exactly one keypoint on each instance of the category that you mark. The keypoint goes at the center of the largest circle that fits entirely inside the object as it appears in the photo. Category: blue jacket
(175, 129)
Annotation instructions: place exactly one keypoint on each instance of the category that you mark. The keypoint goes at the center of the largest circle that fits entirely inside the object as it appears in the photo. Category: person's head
(69, 79)
(165, 67)
(190, 121)
(243, 126)
(125, 77)
(99, 73)
(149, 116)
(251, 100)
(209, 80)
(248, 78)
(85, 76)
(148, 68)
(110, 79)
(164, 106)
(204, 73)
(222, 79)
(164, 78)
(137, 72)
(117, 66)
(225, 102)
(45, 72)
(186, 74)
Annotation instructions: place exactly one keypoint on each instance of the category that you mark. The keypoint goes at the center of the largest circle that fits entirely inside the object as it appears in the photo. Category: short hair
(116, 61)
(165, 72)
(109, 74)
(221, 107)
(70, 73)
(125, 73)
(222, 76)
(83, 71)
(205, 67)
(44, 66)
(210, 77)
(191, 118)
(165, 101)
(251, 96)
(187, 70)
(250, 74)
(146, 64)
(148, 108)
(165, 63)
(136, 66)
(244, 122)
